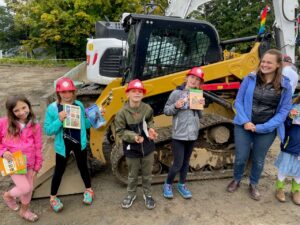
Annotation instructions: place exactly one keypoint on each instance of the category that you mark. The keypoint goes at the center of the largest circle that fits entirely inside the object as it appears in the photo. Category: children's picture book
(296, 119)
(185, 96)
(73, 116)
(95, 117)
(24, 171)
(195, 96)
(14, 166)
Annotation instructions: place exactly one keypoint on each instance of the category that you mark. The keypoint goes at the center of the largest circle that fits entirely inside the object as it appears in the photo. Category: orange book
(195, 96)
(8, 167)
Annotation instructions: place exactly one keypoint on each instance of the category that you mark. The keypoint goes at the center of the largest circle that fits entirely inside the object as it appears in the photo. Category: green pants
(144, 164)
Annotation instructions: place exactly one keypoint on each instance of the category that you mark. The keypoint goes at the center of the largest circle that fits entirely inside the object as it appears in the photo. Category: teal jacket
(53, 126)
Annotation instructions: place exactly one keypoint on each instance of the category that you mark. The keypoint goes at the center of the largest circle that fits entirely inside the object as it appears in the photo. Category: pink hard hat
(136, 84)
(65, 84)
(196, 71)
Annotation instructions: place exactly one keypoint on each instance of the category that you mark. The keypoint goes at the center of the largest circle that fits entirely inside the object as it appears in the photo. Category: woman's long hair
(11, 102)
(278, 72)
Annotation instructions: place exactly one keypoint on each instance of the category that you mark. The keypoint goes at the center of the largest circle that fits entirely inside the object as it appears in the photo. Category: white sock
(281, 176)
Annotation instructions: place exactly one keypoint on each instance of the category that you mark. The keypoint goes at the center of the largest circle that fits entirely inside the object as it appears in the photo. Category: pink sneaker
(11, 203)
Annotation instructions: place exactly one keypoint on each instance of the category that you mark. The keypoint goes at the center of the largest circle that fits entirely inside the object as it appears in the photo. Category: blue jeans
(254, 146)
(182, 151)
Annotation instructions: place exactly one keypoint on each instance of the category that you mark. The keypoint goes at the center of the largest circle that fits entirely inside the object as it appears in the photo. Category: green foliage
(44, 62)
(9, 36)
(235, 18)
(62, 26)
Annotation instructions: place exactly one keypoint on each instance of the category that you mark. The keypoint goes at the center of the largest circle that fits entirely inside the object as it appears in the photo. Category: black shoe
(127, 201)
(149, 202)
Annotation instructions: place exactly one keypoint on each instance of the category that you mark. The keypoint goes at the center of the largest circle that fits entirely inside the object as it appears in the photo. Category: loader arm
(113, 97)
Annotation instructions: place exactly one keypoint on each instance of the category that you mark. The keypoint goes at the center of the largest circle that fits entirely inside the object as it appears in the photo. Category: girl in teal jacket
(67, 139)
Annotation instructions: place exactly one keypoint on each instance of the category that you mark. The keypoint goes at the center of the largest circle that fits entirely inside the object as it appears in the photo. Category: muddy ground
(210, 204)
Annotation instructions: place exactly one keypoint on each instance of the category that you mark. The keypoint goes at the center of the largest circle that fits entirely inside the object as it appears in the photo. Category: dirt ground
(210, 204)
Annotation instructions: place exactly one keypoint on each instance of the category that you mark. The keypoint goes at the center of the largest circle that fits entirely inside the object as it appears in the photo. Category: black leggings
(61, 162)
(182, 151)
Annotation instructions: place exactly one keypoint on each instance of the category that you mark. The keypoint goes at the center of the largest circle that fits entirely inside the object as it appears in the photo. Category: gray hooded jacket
(186, 122)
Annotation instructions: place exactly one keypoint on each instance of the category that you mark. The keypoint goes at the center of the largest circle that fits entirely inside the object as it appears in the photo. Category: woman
(262, 105)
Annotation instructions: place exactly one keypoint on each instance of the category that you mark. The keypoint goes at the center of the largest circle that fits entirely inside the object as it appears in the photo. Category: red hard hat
(136, 84)
(65, 84)
(196, 71)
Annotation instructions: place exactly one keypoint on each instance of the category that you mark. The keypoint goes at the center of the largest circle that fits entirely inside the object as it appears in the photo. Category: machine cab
(159, 46)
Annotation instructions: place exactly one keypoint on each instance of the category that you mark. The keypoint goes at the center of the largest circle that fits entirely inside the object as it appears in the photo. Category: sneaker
(167, 191)
(149, 202)
(184, 191)
(88, 197)
(127, 201)
(56, 204)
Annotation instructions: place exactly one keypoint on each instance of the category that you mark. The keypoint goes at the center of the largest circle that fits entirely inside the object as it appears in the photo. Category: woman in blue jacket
(262, 105)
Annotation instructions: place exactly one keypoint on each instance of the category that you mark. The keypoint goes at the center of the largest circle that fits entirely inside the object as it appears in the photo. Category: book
(73, 116)
(95, 117)
(185, 96)
(24, 171)
(195, 96)
(8, 167)
(296, 119)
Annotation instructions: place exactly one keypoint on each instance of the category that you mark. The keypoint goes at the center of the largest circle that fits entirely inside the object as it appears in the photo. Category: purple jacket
(29, 142)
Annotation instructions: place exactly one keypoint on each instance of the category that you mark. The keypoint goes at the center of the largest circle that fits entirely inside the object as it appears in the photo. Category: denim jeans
(182, 151)
(251, 145)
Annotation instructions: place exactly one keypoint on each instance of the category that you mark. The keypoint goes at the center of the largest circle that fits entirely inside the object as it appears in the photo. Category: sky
(1, 2)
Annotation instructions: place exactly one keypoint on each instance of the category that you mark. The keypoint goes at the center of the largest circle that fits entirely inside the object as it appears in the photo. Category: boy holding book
(135, 126)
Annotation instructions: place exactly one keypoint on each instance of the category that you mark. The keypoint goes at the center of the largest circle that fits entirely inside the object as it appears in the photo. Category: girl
(185, 132)
(262, 105)
(20, 131)
(288, 161)
(67, 140)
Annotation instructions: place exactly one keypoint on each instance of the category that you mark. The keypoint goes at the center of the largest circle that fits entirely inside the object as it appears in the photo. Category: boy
(134, 125)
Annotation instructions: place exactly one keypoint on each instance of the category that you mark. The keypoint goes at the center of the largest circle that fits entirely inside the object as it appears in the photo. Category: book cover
(23, 171)
(95, 117)
(296, 119)
(73, 116)
(195, 96)
(185, 96)
(8, 167)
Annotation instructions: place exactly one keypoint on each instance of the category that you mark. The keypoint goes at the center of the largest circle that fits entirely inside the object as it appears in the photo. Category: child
(185, 132)
(67, 140)
(138, 146)
(20, 131)
(288, 161)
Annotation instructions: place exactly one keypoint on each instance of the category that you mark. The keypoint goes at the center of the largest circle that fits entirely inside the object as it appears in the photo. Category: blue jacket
(243, 106)
(53, 126)
(291, 142)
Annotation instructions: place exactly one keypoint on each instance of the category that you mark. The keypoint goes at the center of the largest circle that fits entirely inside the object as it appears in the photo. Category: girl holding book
(185, 130)
(19, 130)
(65, 118)
(288, 161)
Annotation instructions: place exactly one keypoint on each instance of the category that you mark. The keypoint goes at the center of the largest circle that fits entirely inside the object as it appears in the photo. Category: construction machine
(159, 50)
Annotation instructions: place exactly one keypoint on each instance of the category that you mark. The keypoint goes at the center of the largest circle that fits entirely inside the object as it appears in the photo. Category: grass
(40, 62)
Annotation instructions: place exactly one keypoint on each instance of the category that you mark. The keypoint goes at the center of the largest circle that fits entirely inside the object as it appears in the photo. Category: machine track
(209, 160)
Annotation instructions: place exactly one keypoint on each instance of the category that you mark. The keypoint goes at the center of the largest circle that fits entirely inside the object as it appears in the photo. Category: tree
(9, 36)
(64, 25)
(235, 18)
